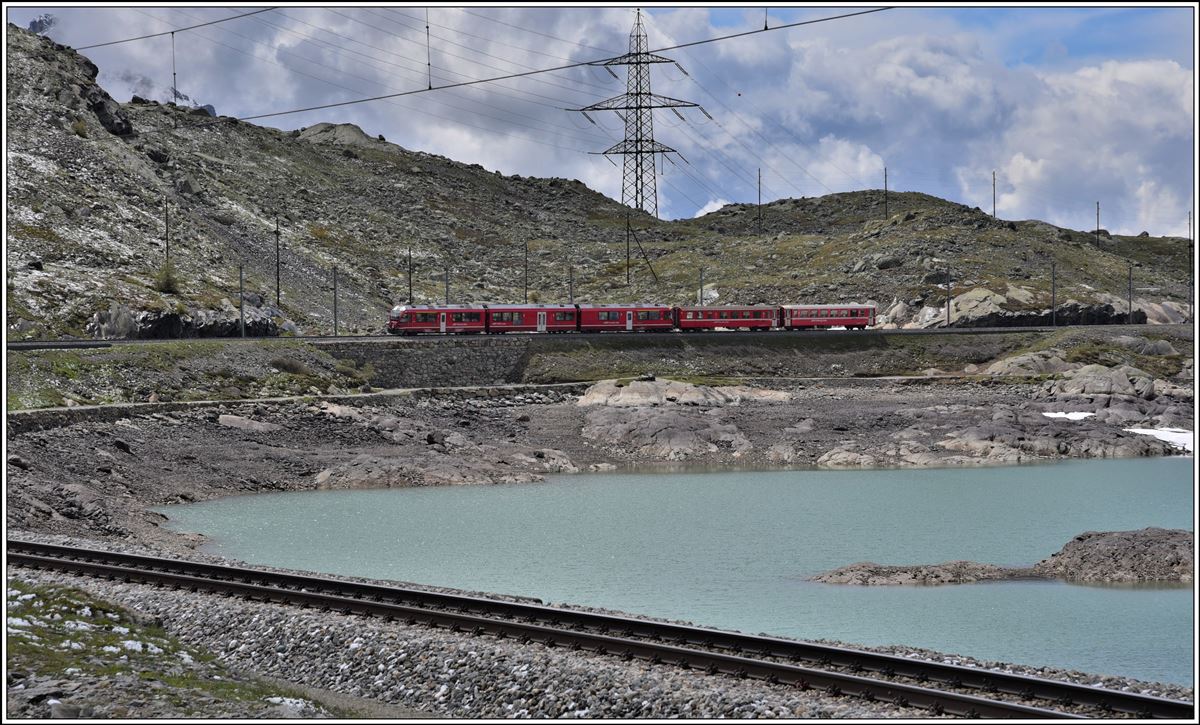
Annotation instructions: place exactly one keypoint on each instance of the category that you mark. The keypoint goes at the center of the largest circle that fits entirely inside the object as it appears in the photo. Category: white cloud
(932, 94)
(711, 206)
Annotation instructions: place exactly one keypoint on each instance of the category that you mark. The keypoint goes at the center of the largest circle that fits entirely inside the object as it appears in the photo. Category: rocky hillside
(90, 179)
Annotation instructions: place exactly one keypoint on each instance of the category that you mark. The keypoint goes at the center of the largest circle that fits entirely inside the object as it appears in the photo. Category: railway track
(77, 344)
(939, 688)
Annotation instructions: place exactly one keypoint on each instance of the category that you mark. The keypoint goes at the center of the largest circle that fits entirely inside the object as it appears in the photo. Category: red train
(494, 319)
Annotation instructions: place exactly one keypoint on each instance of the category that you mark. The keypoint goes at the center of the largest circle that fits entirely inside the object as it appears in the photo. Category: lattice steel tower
(639, 188)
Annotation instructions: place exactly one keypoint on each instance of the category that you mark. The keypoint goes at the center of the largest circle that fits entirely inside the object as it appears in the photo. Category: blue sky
(1068, 105)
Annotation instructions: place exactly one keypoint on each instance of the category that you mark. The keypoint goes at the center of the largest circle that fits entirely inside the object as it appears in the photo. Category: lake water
(733, 550)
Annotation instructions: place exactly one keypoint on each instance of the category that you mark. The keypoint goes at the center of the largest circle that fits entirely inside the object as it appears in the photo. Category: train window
(425, 317)
(724, 315)
(564, 315)
(518, 318)
(606, 315)
(649, 315)
(501, 316)
(689, 316)
(401, 318)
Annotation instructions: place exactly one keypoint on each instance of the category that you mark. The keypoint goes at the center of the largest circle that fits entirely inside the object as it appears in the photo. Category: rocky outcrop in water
(1150, 554)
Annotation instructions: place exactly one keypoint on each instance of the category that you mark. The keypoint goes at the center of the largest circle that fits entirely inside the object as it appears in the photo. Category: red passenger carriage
(410, 320)
(728, 316)
(598, 318)
(851, 317)
(531, 318)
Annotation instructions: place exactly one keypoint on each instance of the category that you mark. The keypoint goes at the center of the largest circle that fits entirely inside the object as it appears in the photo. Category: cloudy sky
(1069, 106)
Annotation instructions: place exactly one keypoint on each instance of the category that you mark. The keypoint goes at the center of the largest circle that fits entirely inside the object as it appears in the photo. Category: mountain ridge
(89, 177)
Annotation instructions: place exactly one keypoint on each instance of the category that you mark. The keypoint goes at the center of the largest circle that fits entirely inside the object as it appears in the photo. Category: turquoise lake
(733, 549)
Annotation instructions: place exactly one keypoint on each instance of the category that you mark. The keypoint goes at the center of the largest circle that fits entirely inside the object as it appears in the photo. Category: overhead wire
(175, 30)
(357, 90)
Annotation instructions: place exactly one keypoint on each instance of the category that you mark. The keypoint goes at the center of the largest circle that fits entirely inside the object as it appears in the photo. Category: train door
(629, 319)
(442, 321)
(541, 321)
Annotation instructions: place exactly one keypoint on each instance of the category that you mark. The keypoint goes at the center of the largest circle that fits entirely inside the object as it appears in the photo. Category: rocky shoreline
(1147, 555)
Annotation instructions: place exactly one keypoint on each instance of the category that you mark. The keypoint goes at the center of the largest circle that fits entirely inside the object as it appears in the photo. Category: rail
(836, 670)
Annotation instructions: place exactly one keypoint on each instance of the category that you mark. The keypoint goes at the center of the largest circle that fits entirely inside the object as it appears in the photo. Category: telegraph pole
(700, 294)
(993, 193)
(335, 301)
(167, 228)
(242, 299)
(447, 285)
(1097, 224)
(760, 199)
(277, 260)
(885, 199)
(628, 233)
(571, 284)
(526, 271)
(1053, 296)
(948, 296)
(1129, 316)
(174, 83)
(410, 297)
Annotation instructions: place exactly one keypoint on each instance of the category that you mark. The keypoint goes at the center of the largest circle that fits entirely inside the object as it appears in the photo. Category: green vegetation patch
(64, 633)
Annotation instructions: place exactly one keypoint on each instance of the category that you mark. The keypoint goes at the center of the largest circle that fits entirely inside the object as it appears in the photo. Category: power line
(371, 80)
(356, 90)
(176, 30)
(549, 70)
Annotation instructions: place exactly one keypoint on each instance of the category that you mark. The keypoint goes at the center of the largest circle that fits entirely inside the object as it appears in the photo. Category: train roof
(623, 305)
(402, 308)
(530, 307)
(726, 307)
(833, 304)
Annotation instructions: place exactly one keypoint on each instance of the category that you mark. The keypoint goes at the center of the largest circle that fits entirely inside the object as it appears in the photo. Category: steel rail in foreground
(668, 642)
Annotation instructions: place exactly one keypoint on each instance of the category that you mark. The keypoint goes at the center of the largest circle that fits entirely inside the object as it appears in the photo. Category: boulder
(669, 433)
(237, 421)
(658, 392)
(1045, 362)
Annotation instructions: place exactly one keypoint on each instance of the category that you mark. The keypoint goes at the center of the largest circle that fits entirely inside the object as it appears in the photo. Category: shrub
(165, 280)
(80, 129)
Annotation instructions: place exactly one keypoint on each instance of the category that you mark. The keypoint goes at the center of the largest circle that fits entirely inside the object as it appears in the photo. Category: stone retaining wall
(435, 361)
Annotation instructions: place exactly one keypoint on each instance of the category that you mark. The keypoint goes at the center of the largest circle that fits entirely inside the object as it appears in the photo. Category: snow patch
(1069, 416)
(1178, 437)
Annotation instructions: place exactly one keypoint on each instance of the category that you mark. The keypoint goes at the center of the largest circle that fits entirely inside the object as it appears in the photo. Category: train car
(742, 317)
(416, 319)
(531, 318)
(641, 317)
(807, 317)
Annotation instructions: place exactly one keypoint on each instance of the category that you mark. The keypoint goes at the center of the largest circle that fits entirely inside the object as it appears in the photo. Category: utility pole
(993, 193)
(571, 284)
(410, 297)
(277, 260)
(447, 285)
(700, 294)
(174, 83)
(526, 271)
(949, 295)
(1129, 316)
(167, 229)
(242, 299)
(1053, 296)
(1097, 224)
(628, 233)
(335, 301)
(885, 199)
(760, 199)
